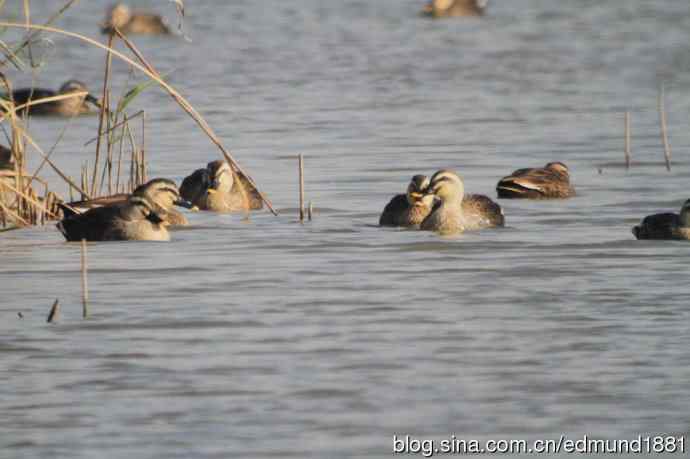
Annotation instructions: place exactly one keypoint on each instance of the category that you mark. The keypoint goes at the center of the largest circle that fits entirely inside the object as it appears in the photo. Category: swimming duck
(448, 8)
(133, 220)
(133, 22)
(666, 225)
(457, 212)
(64, 107)
(161, 193)
(411, 208)
(549, 182)
(447, 216)
(217, 188)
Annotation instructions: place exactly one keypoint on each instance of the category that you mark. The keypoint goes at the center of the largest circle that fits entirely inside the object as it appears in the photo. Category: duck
(455, 211)
(454, 8)
(409, 209)
(666, 225)
(71, 106)
(219, 188)
(128, 22)
(133, 220)
(162, 193)
(549, 182)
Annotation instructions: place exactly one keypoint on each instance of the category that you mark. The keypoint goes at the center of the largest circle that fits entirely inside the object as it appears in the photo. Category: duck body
(454, 8)
(218, 188)
(549, 182)
(665, 225)
(72, 106)
(131, 22)
(161, 193)
(480, 212)
(133, 220)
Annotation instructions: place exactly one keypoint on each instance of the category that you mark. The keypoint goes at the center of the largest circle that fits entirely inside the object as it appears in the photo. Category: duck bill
(93, 100)
(153, 217)
(183, 203)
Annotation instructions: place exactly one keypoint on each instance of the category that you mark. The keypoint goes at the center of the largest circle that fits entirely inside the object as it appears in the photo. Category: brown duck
(133, 22)
(133, 220)
(549, 182)
(454, 8)
(219, 188)
(456, 212)
(71, 106)
(161, 193)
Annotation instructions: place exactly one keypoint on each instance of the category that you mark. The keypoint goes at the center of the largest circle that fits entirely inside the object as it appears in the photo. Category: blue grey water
(269, 338)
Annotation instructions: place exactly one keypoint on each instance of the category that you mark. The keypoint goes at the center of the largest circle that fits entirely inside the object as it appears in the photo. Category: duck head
(446, 185)
(220, 176)
(557, 167)
(118, 16)
(140, 208)
(162, 193)
(71, 86)
(416, 191)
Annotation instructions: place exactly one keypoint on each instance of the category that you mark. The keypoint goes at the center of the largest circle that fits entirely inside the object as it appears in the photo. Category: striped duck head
(162, 193)
(416, 191)
(71, 86)
(140, 208)
(446, 185)
(220, 176)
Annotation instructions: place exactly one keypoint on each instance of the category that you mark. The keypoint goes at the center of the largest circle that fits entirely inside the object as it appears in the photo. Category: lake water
(269, 338)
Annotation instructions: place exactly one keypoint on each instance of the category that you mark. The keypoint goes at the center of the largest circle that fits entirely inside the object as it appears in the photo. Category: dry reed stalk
(201, 122)
(627, 140)
(13, 54)
(13, 214)
(664, 129)
(10, 109)
(28, 198)
(19, 131)
(115, 126)
(119, 157)
(84, 281)
(105, 105)
(54, 311)
(310, 210)
(301, 187)
(157, 78)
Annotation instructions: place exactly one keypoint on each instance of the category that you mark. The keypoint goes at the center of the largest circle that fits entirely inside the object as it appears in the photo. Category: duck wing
(393, 211)
(194, 185)
(255, 201)
(657, 226)
(480, 211)
(534, 184)
(91, 225)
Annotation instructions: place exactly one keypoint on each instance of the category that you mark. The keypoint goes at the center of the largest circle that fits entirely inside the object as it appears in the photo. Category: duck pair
(454, 8)
(148, 211)
(439, 204)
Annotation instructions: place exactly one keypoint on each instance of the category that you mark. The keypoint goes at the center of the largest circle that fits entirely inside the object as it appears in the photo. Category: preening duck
(549, 182)
(220, 189)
